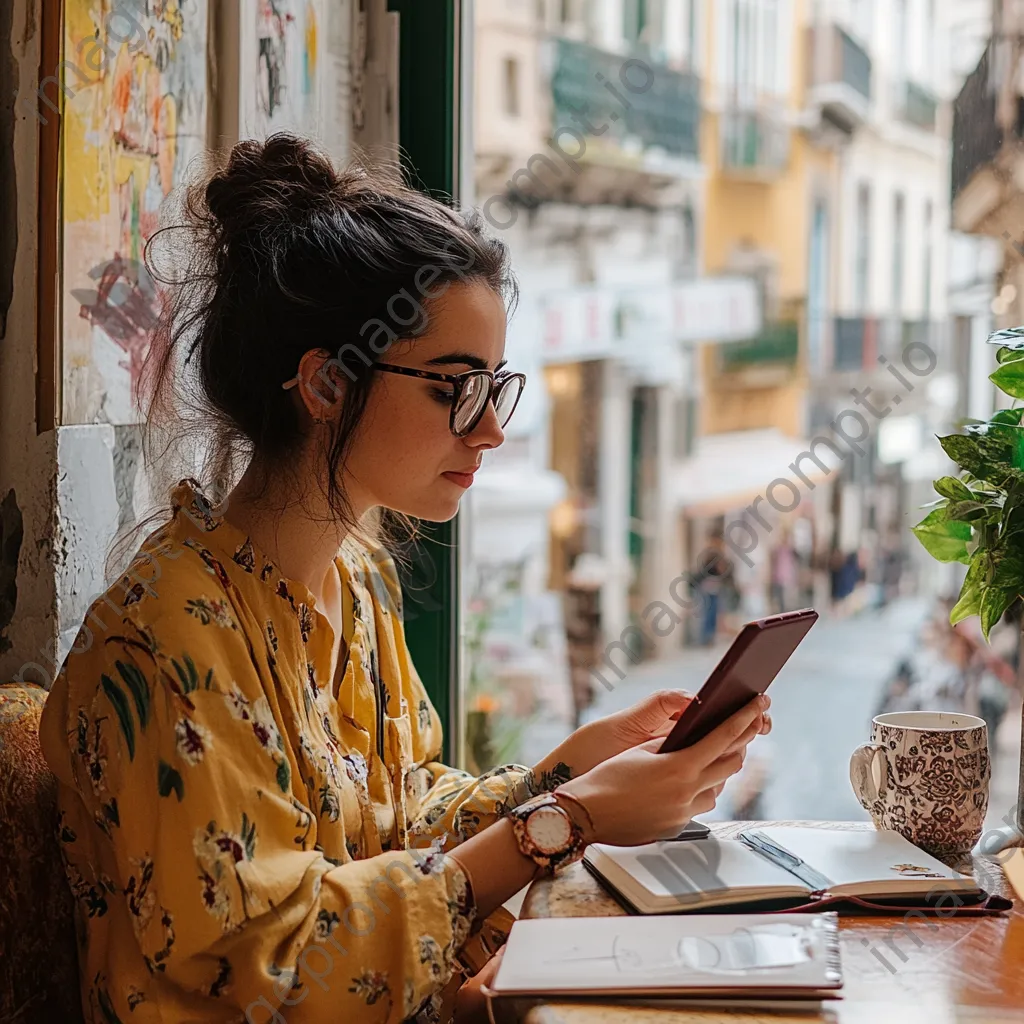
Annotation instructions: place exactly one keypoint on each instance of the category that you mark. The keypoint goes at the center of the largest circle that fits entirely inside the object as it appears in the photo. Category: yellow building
(770, 187)
(781, 94)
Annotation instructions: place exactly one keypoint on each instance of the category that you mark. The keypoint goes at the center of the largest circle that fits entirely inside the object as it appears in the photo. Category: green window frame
(429, 93)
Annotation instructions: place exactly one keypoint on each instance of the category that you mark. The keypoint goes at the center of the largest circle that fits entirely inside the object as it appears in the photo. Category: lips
(463, 478)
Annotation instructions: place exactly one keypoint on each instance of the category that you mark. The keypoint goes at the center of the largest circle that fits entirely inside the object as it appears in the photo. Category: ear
(320, 386)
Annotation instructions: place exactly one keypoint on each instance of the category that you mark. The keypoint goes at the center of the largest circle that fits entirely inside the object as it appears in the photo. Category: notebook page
(869, 861)
(685, 869)
(784, 952)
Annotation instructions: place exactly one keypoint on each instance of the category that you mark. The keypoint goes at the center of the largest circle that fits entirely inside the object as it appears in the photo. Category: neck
(296, 529)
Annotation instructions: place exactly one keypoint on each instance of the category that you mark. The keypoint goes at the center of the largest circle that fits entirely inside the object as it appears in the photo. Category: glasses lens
(508, 399)
(472, 402)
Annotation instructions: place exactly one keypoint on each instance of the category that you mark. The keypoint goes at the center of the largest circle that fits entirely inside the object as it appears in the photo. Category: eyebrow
(468, 358)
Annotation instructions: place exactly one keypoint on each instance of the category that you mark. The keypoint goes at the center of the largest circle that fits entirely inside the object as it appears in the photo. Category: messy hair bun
(284, 177)
(287, 254)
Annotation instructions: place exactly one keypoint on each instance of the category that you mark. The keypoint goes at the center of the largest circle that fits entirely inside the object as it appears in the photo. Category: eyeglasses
(471, 392)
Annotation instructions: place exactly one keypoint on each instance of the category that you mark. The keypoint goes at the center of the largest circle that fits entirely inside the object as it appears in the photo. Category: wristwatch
(546, 832)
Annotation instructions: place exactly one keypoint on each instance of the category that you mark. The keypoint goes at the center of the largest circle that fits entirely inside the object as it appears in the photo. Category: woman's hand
(650, 718)
(639, 795)
(470, 1002)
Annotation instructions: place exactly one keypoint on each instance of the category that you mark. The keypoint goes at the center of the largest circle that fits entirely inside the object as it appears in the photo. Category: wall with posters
(134, 120)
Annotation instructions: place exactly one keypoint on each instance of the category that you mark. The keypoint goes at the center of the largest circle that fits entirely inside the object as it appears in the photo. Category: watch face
(549, 830)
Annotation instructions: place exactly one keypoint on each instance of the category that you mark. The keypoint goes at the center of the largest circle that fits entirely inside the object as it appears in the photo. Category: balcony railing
(977, 136)
(754, 141)
(839, 74)
(916, 105)
(664, 115)
(777, 345)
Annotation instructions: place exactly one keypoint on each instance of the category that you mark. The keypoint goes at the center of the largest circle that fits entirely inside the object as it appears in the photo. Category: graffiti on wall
(280, 67)
(130, 132)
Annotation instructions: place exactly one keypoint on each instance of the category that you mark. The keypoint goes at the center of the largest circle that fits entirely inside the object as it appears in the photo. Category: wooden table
(928, 971)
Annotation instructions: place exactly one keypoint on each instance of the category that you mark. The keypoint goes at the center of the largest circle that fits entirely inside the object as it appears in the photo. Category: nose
(487, 433)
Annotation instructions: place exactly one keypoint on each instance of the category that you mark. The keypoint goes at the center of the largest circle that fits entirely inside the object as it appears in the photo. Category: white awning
(727, 471)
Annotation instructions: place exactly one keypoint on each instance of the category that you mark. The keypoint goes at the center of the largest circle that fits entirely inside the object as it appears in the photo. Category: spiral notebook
(776, 867)
(747, 959)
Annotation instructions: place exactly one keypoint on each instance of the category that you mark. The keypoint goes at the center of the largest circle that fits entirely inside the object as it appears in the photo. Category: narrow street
(822, 705)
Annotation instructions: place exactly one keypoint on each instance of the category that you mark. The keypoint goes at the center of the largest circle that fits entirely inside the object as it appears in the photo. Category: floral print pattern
(225, 805)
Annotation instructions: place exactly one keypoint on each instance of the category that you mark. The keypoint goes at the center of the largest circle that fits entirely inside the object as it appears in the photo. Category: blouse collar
(204, 522)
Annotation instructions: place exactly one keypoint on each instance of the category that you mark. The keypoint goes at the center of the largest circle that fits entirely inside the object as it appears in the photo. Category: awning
(728, 471)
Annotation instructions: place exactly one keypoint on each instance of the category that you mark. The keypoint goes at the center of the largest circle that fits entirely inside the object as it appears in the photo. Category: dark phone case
(693, 830)
(746, 670)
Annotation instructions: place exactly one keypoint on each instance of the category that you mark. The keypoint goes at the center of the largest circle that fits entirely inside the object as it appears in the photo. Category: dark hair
(287, 253)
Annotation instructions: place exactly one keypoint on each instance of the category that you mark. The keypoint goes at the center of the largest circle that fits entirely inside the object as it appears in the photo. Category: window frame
(429, 121)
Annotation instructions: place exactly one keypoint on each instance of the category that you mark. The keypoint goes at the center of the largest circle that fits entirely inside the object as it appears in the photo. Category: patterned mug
(925, 774)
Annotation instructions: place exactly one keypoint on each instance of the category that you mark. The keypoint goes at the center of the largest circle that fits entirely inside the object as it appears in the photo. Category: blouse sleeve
(447, 805)
(177, 755)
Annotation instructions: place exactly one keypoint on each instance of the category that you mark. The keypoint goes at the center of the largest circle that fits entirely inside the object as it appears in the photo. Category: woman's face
(404, 455)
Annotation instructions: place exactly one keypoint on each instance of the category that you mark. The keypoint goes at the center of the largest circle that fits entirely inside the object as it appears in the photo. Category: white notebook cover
(740, 955)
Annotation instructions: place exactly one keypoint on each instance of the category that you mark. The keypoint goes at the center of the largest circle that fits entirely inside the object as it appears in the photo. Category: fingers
(732, 730)
(704, 801)
(721, 769)
(662, 705)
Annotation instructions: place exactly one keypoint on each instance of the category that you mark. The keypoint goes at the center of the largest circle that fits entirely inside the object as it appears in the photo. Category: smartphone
(746, 669)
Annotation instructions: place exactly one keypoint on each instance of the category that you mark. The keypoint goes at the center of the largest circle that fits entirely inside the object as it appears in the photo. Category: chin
(431, 508)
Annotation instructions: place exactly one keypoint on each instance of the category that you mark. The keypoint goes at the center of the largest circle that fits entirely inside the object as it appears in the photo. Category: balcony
(916, 105)
(839, 76)
(777, 346)
(755, 143)
(666, 116)
(988, 159)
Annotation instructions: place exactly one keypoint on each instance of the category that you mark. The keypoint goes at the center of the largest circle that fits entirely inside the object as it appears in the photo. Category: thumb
(658, 707)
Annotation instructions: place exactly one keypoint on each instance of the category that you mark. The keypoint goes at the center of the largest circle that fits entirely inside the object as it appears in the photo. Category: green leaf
(139, 688)
(169, 780)
(984, 457)
(1011, 417)
(1006, 354)
(1011, 337)
(1009, 569)
(967, 511)
(124, 714)
(994, 602)
(969, 602)
(944, 539)
(1009, 378)
(284, 775)
(950, 487)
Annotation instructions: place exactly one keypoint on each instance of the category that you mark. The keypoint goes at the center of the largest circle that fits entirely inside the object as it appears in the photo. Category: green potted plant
(978, 519)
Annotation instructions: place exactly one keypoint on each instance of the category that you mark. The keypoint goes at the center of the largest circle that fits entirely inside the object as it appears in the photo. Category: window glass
(747, 308)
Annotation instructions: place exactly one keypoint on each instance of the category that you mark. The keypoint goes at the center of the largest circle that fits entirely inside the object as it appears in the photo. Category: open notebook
(742, 959)
(782, 865)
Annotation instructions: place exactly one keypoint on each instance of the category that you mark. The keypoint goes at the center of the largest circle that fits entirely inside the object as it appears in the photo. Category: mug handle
(867, 773)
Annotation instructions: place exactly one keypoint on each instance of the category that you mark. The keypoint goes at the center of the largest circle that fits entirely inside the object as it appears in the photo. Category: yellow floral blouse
(246, 837)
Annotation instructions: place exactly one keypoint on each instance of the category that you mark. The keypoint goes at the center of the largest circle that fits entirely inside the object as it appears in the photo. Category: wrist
(579, 812)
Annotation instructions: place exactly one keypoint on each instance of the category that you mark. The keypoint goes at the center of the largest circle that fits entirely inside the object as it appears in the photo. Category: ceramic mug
(925, 774)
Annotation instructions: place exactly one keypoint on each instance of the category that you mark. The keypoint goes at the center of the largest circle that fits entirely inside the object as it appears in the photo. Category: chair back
(38, 954)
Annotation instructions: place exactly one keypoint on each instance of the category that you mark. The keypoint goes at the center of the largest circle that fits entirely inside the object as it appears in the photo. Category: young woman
(254, 818)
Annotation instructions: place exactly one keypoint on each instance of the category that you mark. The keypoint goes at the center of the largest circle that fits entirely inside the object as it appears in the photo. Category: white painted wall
(891, 156)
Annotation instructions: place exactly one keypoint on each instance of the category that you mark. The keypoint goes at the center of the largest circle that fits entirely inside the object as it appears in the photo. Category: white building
(587, 127)
(891, 269)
